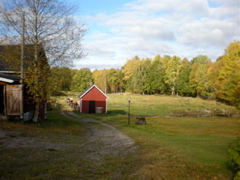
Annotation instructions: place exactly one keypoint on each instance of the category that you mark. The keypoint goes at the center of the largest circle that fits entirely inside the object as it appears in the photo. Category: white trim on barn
(6, 80)
(86, 91)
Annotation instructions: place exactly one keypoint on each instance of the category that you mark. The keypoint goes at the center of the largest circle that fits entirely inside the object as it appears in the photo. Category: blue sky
(120, 29)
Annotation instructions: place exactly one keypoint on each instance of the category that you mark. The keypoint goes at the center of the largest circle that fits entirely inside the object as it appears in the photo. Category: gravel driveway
(99, 152)
(103, 139)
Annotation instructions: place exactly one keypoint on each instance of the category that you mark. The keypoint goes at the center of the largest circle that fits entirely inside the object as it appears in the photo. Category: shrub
(234, 162)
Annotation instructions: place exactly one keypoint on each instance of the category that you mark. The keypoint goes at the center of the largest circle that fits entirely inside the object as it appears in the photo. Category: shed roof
(89, 89)
(9, 78)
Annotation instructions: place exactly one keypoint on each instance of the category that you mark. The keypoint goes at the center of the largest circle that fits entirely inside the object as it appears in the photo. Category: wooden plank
(14, 100)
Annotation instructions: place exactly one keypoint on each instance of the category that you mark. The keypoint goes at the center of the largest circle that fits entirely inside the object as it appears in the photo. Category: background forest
(199, 76)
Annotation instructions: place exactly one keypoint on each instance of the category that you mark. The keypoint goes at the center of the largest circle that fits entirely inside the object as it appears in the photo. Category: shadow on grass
(116, 112)
(109, 113)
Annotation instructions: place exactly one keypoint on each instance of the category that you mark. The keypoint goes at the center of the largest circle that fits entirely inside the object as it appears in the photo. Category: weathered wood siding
(14, 100)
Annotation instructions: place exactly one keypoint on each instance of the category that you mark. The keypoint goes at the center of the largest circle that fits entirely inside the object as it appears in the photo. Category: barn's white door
(14, 100)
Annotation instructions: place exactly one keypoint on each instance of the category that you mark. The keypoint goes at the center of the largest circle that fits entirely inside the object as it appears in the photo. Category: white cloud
(150, 27)
(228, 3)
(97, 64)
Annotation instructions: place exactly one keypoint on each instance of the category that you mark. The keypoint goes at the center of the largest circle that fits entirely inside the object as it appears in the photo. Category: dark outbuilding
(93, 100)
(15, 99)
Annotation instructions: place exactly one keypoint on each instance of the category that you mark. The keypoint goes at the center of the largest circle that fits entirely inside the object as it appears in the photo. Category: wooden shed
(10, 95)
(93, 100)
(15, 98)
(12, 101)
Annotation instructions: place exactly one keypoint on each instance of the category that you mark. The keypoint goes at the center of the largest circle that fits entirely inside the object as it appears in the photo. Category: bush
(51, 104)
(58, 93)
(234, 162)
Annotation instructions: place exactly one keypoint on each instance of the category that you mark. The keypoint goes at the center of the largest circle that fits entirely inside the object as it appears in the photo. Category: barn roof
(89, 89)
(9, 78)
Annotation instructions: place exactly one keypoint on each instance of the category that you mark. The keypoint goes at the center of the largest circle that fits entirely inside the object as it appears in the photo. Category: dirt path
(103, 139)
(98, 152)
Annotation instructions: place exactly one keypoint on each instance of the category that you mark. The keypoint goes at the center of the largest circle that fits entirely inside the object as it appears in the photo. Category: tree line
(163, 75)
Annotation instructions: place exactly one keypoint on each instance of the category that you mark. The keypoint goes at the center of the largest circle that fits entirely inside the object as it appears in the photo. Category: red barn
(93, 100)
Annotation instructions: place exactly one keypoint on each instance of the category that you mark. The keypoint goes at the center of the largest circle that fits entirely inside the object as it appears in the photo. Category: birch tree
(172, 73)
(49, 25)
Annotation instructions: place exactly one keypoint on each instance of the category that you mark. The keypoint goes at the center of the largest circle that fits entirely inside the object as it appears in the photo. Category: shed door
(13, 100)
(91, 106)
(2, 100)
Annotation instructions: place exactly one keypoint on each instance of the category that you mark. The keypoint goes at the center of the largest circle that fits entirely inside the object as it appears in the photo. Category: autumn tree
(165, 60)
(155, 80)
(140, 76)
(198, 75)
(228, 82)
(128, 72)
(114, 80)
(100, 79)
(212, 76)
(200, 59)
(184, 87)
(82, 80)
(61, 78)
(172, 73)
(49, 24)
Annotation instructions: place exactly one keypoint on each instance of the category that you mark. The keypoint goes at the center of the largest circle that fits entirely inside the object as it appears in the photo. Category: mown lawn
(176, 147)
(168, 147)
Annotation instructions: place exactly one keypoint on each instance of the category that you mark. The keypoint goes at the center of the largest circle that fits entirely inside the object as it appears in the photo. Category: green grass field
(176, 147)
(168, 147)
(156, 105)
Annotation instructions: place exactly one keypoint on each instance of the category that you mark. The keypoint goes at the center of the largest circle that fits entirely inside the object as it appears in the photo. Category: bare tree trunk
(36, 111)
(173, 90)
